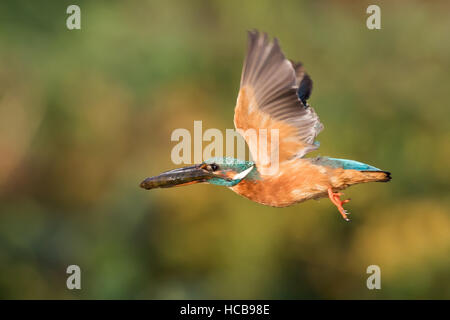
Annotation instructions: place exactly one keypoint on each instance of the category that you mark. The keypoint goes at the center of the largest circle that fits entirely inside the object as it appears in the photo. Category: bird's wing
(270, 97)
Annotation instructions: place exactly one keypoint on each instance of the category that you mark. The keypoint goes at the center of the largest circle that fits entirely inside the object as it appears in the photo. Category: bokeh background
(86, 114)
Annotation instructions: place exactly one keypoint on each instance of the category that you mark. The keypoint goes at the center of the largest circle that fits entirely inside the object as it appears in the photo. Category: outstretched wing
(273, 95)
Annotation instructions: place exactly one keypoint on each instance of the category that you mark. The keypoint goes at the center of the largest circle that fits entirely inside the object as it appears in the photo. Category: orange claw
(336, 199)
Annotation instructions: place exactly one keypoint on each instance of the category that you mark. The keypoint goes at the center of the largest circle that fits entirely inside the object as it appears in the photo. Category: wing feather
(273, 95)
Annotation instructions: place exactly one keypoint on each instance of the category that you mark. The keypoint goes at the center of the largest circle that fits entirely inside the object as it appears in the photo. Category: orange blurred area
(86, 115)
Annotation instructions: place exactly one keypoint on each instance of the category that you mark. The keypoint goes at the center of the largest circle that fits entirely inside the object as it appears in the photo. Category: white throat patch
(242, 174)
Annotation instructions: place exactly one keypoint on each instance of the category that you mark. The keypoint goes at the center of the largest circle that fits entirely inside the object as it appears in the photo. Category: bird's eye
(212, 167)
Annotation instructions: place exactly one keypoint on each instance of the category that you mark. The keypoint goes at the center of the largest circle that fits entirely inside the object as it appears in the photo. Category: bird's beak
(178, 177)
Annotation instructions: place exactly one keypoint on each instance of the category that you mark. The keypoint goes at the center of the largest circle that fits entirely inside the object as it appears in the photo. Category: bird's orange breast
(297, 180)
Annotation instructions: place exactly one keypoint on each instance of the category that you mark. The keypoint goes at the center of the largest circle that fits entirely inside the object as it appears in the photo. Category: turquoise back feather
(343, 163)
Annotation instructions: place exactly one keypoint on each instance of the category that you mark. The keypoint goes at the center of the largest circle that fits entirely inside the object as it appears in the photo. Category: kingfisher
(273, 96)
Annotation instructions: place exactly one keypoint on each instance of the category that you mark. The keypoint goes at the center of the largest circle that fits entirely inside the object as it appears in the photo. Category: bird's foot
(335, 197)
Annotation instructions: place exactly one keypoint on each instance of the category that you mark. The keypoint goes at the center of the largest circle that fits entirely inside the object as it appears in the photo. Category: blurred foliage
(86, 114)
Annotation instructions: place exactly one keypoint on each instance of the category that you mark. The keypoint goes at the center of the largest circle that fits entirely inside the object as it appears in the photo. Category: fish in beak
(179, 177)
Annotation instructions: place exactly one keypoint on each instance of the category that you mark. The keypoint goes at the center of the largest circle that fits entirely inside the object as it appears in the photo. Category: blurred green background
(86, 114)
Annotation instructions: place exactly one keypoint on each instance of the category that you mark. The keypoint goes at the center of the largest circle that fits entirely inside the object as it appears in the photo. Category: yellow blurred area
(86, 115)
(416, 233)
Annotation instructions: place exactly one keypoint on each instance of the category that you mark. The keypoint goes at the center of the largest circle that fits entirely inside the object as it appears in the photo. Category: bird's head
(219, 171)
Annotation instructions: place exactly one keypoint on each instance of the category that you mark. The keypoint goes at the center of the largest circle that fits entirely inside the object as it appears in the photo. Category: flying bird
(273, 94)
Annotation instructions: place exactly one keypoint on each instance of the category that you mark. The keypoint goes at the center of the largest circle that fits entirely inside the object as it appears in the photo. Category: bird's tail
(351, 177)
(354, 171)
(375, 176)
